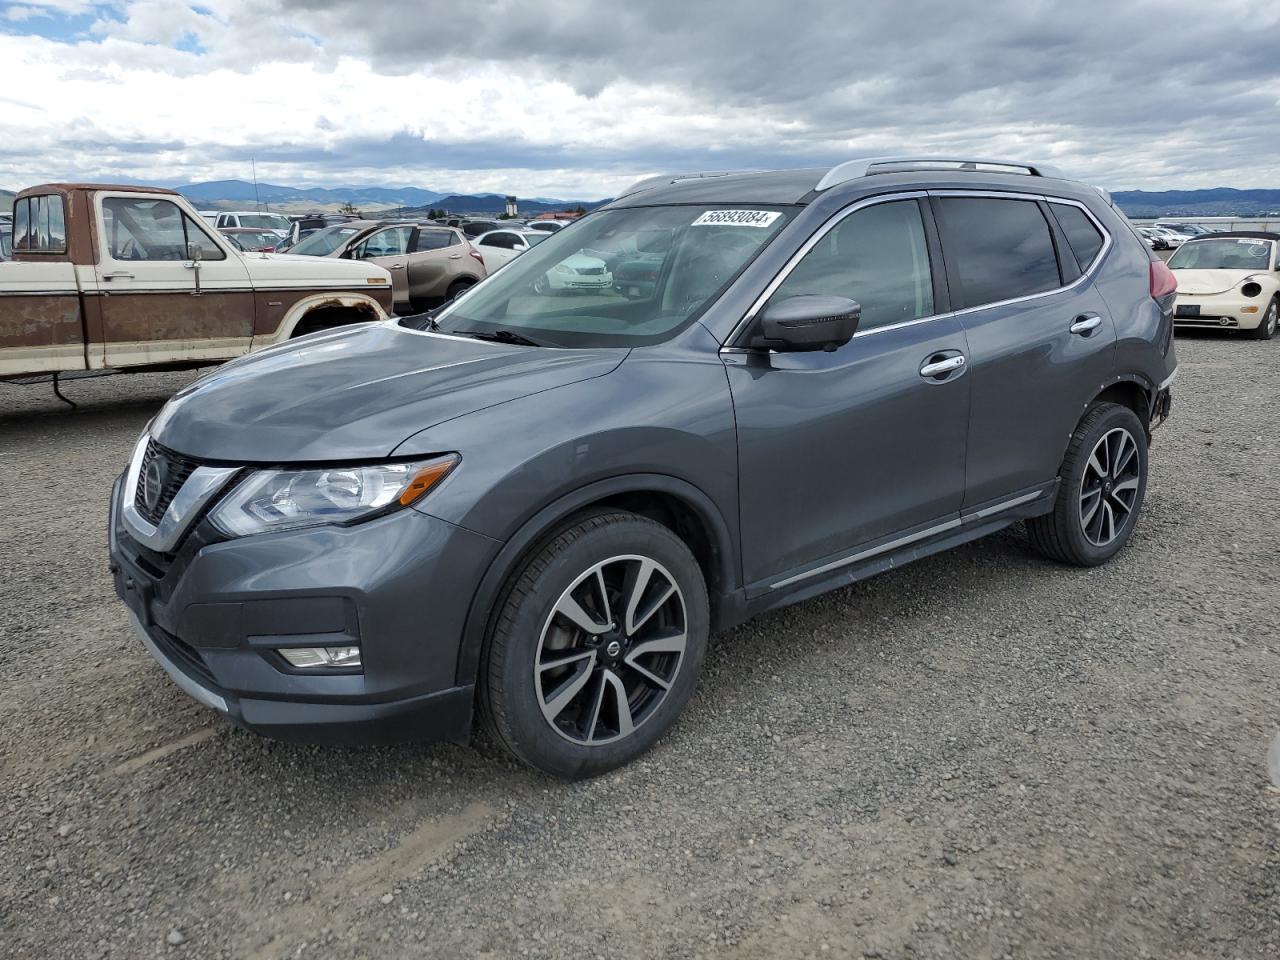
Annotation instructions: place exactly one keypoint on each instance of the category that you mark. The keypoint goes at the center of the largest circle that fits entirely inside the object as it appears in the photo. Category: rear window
(996, 249)
(39, 225)
(1084, 239)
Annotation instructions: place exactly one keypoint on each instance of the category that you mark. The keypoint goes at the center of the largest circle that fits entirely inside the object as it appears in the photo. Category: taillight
(1162, 280)
(475, 253)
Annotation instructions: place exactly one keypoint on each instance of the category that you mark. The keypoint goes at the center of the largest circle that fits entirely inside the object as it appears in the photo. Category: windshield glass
(618, 278)
(265, 221)
(533, 237)
(1228, 254)
(324, 242)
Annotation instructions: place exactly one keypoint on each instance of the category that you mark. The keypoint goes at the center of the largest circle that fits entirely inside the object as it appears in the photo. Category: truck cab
(107, 277)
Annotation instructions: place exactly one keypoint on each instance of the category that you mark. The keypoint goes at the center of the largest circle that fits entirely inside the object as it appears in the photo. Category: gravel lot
(981, 755)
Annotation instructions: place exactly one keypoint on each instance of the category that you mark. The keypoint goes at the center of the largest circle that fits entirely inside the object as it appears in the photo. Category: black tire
(512, 702)
(1062, 534)
(458, 288)
(1267, 328)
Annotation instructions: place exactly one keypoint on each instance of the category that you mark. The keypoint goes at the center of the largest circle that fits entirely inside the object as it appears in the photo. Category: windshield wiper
(500, 336)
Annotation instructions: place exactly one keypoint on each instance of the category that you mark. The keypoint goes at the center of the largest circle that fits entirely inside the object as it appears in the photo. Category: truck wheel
(597, 646)
(1267, 328)
(1102, 484)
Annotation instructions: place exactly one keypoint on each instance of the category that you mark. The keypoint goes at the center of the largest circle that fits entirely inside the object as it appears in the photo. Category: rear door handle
(118, 275)
(455, 256)
(939, 368)
(396, 266)
(1085, 324)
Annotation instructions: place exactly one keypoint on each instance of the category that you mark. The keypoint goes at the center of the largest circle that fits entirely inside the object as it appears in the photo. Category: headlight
(285, 499)
(561, 268)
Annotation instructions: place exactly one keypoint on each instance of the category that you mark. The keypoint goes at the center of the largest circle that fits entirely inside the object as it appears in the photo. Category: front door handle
(118, 275)
(396, 266)
(455, 256)
(1085, 324)
(940, 368)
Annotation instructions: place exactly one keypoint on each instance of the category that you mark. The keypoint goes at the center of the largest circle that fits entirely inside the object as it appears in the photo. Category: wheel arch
(675, 503)
(1128, 391)
(316, 305)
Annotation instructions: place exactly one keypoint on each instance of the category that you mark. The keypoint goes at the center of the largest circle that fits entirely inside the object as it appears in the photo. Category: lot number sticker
(736, 218)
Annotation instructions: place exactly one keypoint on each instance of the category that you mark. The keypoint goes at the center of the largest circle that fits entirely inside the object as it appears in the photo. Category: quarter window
(877, 256)
(39, 225)
(155, 230)
(435, 240)
(997, 249)
(507, 241)
(1083, 237)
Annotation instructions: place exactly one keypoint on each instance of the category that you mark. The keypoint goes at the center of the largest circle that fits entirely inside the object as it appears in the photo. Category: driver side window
(392, 242)
(877, 256)
(154, 230)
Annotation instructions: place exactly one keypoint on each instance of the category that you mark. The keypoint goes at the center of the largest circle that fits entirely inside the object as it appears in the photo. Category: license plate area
(1188, 310)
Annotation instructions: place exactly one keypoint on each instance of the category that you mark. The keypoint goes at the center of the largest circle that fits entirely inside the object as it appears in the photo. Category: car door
(434, 262)
(155, 303)
(842, 451)
(499, 248)
(1041, 340)
(389, 249)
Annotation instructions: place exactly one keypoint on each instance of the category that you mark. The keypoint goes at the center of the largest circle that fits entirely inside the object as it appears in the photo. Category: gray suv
(534, 508)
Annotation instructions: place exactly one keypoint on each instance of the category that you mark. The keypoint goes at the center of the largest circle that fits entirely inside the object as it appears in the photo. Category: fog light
(343, 657)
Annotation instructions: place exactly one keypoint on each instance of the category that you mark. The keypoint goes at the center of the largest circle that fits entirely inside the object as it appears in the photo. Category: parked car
(474, 228)
(1184, 229)
(1155, 240)
(209, 216)
(427, 263)
(252, 241)
(1229, 280)
(537, 513)
(253, 219)
(6, 243)
(1173, 240)
(500, 247)
(291, 239)
(107, 277)
(550, 226)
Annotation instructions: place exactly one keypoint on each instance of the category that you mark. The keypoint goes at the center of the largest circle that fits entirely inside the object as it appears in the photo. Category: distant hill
(224, 194)
(1216, 202)
(493, 203)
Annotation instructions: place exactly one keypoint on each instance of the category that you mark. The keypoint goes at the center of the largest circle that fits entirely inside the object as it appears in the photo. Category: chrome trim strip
(866, 554)
(830, 224)
(203, 485)
(1007, 505)
(189, 686)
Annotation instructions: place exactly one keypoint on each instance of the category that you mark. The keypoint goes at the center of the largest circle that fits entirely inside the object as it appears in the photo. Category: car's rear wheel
(597, 645)
(458, 288)
(1267, 328)
(1101, 488)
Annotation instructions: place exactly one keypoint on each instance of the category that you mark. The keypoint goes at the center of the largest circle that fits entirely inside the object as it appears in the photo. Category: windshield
(257, 239)
(265, 221)
(324, 242)
(534, 237)
(1228, 254)
(618, 278)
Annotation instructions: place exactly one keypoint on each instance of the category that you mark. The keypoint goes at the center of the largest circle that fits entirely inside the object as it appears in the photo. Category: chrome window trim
(839, 216)
(202, 486)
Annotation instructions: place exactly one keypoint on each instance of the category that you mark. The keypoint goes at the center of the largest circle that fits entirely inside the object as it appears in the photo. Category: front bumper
(215, 612)
(1220, 311)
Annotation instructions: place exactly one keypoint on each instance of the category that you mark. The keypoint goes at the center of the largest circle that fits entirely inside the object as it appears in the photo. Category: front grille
(178, 469)
(591, 271)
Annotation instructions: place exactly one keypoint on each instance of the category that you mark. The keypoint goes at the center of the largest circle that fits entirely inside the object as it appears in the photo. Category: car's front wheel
(1101, 487)
(1267, 328)
(597, 645)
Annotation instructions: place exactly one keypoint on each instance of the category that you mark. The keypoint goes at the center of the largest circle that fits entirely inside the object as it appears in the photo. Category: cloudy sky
(577, 98)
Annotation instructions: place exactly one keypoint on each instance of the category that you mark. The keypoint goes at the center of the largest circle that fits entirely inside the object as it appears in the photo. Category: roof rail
(650, 182)
(855, 169)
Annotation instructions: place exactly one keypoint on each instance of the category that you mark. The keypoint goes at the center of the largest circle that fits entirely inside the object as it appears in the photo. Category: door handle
(118, 275)
(1085, 324)
(396, 266)
(938, 368)
(455, 256)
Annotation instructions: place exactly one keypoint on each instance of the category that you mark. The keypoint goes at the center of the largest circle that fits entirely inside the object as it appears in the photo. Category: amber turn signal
(428, 477)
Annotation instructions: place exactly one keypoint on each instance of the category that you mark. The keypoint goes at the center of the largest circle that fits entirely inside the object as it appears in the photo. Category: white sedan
(1229, 280)
(500, 247)
(578, 271)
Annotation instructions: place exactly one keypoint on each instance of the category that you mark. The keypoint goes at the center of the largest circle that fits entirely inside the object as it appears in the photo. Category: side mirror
(808, 323)
(195, 252)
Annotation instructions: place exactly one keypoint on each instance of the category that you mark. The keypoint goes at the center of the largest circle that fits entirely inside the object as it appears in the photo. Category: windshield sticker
(736, 218)
(1253, 243)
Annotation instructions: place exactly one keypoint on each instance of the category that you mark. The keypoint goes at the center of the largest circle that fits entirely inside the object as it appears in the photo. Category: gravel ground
(980, 755)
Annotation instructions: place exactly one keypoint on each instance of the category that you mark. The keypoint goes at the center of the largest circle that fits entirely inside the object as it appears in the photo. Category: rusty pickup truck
(131, 278)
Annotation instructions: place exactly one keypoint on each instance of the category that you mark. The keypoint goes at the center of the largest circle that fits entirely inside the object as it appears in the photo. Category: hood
(1207, 282)
(267, 269)
(357, 393)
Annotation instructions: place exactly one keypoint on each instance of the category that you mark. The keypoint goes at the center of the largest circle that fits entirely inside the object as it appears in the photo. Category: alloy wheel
(610, 650)
(1109, 487)
(1269, 321)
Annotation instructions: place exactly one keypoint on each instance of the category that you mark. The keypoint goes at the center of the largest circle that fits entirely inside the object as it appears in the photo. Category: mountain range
(229, 194)
(1216, 202)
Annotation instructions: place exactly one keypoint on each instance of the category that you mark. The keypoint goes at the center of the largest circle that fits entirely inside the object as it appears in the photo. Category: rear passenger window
(435, 240)
(1083, 237)
(998, 249)
(877, 256)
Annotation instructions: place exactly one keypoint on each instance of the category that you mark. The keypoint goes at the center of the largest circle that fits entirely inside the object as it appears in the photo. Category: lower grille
(165, 469)
(183, 654)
